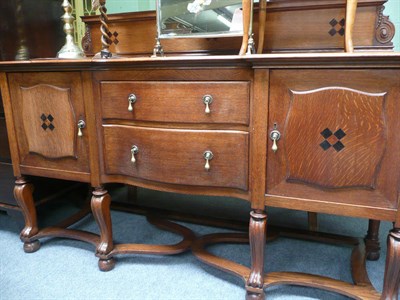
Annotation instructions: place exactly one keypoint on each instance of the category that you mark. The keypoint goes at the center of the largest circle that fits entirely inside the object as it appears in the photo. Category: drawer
(169, 101)
(176, 156)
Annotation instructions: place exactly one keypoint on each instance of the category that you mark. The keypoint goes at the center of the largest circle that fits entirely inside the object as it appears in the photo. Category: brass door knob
(275, 135)
(81, 125)
(134, 151)
(207, 100)
(131, 100)
(208, 155)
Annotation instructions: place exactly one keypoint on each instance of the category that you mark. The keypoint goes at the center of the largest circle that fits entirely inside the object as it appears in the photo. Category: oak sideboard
(311, 132)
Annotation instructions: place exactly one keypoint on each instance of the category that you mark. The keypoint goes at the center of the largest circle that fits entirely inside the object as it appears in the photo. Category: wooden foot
(255, 294)
(372, 240)
(30, 247)
(100, 204)
(106, 265)
(391, 282)
(23, 195)
(257, 230)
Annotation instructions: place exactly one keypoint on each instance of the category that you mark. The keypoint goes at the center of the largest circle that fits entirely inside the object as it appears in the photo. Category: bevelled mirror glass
(199, 18)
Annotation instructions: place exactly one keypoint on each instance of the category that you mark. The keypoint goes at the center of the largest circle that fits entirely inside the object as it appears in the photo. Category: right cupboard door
(339, 141)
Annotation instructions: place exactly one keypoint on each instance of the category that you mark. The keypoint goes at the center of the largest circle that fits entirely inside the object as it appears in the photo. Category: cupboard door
(339, 136)
(47, 108)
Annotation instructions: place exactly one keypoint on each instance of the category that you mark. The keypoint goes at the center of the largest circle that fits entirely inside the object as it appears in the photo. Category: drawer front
(177, 156)
(161, 101)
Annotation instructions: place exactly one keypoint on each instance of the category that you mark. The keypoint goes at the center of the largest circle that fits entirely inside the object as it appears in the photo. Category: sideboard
(312, 132)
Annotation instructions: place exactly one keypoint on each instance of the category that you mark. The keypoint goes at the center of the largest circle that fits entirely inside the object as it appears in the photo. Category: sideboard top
(287, 60)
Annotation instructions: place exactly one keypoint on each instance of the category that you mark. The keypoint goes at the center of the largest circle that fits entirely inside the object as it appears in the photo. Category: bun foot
(254, 293)
(106, 265)
(32, 246)
(373, 255)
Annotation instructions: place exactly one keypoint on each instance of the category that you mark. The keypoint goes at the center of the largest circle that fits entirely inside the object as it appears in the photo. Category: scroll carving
(385, 29)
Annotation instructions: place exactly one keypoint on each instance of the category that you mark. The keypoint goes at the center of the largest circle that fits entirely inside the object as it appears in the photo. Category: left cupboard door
(50, 125)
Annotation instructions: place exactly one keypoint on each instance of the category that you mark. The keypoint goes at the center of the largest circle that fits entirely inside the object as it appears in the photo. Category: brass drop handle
(134, 151)
(208, 155)
(207, 100)
(275, 135)
(131, 100)
(81, 125)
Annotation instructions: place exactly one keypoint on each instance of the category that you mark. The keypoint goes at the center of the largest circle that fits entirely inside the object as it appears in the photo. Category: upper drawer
(183, 102)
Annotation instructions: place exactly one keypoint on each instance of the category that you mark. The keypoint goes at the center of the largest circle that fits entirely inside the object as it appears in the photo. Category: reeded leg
(257, 230)
(372, 240)
(23, 195)
(391, 282)
(100, 203)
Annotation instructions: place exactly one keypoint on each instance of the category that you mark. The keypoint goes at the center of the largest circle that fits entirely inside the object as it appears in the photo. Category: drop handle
(208, 155)
(207, 100)
(81, 125)
(134, 151)
(131, 100)
(275, 135)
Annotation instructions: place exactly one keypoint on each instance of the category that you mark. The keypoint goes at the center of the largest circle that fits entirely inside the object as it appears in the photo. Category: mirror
(199, 18)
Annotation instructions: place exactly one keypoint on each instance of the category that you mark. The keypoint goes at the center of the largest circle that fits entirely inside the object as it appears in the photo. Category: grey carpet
(67, 269)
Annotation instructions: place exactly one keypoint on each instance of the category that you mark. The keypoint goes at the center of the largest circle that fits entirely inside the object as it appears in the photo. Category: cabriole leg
(257, 230)
(392, 270)
(372, 240)
(100, 203)
(23, 193)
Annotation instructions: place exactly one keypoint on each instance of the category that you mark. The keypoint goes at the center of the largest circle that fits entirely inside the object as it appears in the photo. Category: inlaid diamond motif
(334, 139)
(47, 122)
(337, 27)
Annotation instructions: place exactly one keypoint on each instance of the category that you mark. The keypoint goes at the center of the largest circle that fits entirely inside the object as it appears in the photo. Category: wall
(393, 10)
(116, 6)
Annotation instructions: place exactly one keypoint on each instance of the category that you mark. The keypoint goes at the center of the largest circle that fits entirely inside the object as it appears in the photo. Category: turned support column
(351, 9)
(391, 282)
(372, 240)
(100, 203)
(257, 235)
(23, 193)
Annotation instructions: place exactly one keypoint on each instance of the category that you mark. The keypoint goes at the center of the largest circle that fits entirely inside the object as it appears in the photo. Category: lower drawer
(177, 156)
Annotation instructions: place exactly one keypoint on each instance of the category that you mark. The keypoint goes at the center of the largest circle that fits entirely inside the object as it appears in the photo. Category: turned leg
(351, 8)
(392, 271)
(257, 231)
(246, 9)
(100, 203)
(372, 240)
(23, 195)
(312, 221)
(262, 16)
